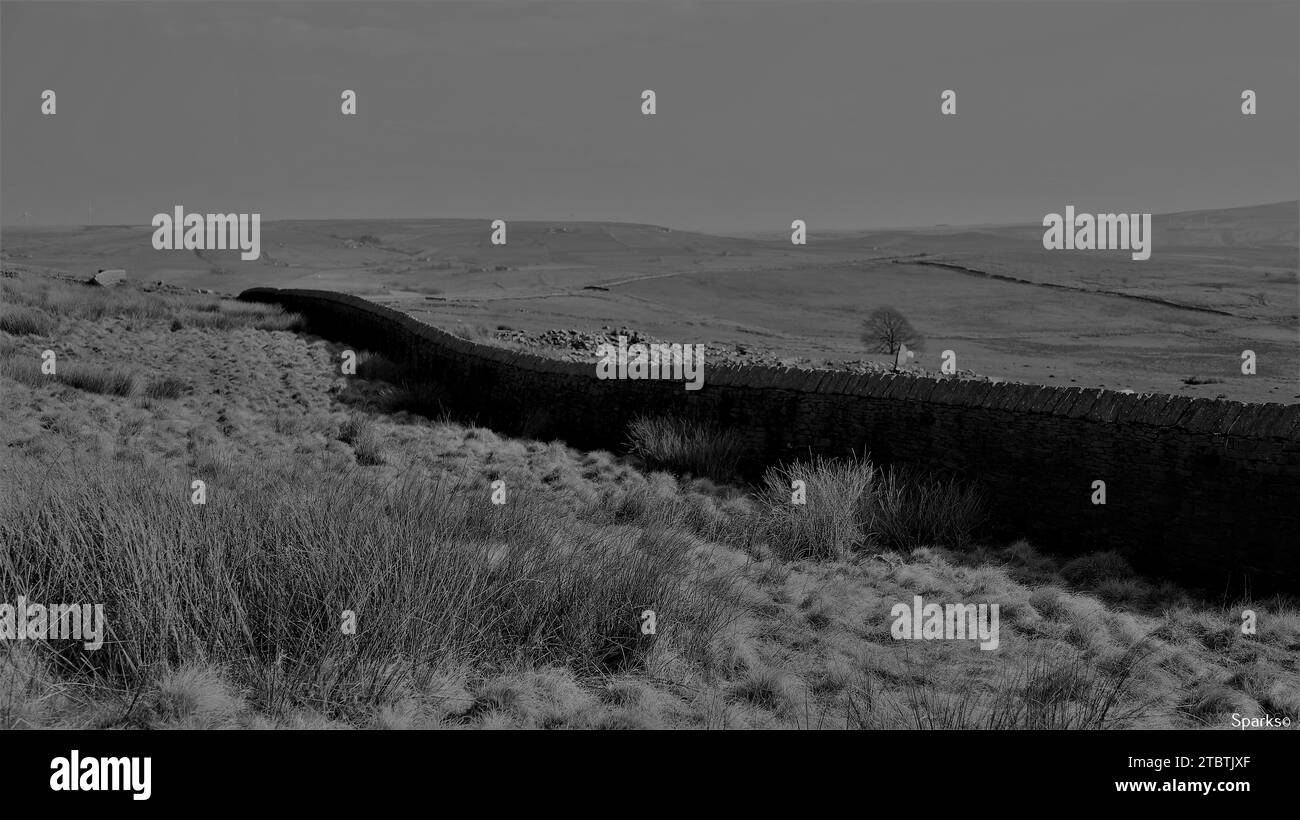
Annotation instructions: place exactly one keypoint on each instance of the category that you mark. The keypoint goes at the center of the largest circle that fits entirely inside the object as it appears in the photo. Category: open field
(1218, 283)
(324, 493)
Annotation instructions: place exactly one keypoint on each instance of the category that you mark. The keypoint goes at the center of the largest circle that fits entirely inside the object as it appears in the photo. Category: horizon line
(742, 233)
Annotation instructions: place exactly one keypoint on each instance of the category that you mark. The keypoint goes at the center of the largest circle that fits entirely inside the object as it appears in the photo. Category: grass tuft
(167, 387)
(827, 522)
(683, 446)
(256, 585)
(26, 321)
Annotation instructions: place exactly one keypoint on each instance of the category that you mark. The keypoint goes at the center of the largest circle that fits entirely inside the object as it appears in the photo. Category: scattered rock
(581, 346)
(108, 277)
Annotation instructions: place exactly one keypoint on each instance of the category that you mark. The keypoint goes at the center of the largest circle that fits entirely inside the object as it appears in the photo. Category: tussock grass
(108, 381)
(850, 505)
(214, 461)
(258, 316)
(470, 614)
(684, 446)
(24, 369)
(828, 524)
(1094, 569)
(378, 367)
(910, 509)
(772, 689)
(417, 396)
(167, 387)
(258, 585)
(642, 503)
(26, 321)
(290, 424)
(356, 428)
(406, 389)
(77, 300)
(1046, 690)
(359, 431)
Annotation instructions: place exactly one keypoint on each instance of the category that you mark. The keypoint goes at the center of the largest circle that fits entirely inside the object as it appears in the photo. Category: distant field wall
(1200, 491)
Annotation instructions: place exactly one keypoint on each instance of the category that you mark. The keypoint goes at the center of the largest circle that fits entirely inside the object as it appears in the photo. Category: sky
(767, 111)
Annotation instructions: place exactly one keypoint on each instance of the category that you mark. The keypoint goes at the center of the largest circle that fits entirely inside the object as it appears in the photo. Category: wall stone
(1201, 491)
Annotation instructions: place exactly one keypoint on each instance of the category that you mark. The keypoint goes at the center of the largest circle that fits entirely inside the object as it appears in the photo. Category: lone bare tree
(886, 331)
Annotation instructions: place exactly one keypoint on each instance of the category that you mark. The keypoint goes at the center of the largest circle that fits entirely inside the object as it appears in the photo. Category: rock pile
(575, 345)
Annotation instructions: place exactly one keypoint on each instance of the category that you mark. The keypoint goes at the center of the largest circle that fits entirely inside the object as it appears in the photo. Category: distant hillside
(1249, 226)
(1276, 224)
(293, 250)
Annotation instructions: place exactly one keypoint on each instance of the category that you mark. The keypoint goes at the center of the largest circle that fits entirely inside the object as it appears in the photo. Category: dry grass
(472, 332)
(910, 509)
(527, 614)
(167, 387)
(106, 380)
(359, 431)
(849, 505)
(432, 570)
(25, 321)
(23, 369)
(1047, 690)
(96, 380)
(685, 447)
(828, 521)
(404, 389)
(36, 305)
(232, 315)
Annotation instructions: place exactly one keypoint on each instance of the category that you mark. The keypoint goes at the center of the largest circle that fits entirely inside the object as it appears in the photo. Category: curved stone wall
(1202, 491)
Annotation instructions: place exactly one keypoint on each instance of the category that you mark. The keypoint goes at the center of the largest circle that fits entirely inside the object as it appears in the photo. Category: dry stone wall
(1201, 491)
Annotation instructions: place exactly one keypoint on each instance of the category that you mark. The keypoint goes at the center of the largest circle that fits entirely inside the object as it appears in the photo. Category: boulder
(108, 277)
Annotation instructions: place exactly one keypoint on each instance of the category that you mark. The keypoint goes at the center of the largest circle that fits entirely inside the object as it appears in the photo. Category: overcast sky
(767, 111)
